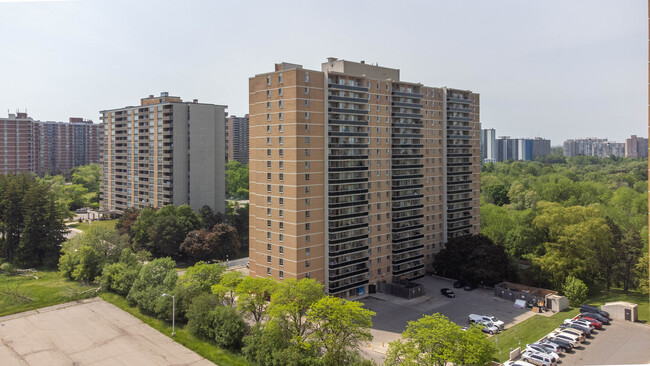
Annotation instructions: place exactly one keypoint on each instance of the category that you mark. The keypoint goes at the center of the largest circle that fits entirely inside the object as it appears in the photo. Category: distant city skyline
(556, 69)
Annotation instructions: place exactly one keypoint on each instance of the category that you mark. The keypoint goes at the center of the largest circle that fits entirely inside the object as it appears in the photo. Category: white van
(474, 318)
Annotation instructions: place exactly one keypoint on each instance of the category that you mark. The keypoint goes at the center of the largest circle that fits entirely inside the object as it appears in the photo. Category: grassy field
(83, 226)
(206, 349)
(45, 290)
(534, 328)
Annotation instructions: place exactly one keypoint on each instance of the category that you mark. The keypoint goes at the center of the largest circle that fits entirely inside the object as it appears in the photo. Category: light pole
(173, 313)
(226, 260)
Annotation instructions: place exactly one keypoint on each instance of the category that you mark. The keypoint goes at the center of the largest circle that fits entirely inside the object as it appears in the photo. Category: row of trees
(31, 221)
(236, 180)
(77, 188)
(583, 217)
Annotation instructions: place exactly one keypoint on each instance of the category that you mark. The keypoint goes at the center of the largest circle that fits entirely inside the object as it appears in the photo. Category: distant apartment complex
(593, 147)
(164, 151)
(636, 147)
(358, 177)
(237, 138)
(46, 147)
(504, 148)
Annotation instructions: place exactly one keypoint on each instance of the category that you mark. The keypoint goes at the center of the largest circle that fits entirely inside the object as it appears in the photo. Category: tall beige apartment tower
(164, 151)
(357, 177)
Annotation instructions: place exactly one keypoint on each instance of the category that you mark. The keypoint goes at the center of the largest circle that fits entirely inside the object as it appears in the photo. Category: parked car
(597, 324)
(487, 327)
(551, 347)
(447, 292)
(486, 318)
(596, 316)
(579, 329)
(573, 339)
(567, 328)
(584, 323)
(459, 284)
(563, 343)
(469, 286)
(536, 358)
(539, 349)
(593, 309)
(517, 363)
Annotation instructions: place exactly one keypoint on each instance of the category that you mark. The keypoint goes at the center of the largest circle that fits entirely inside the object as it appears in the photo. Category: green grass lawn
(206, 349)
(83, 226)
(49, 289)
(534, 328)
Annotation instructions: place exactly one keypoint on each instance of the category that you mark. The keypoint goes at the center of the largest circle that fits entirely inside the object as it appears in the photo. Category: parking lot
(394, 313)
(90, 332)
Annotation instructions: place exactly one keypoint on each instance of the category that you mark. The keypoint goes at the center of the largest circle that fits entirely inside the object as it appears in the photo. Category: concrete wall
(207, 151)
(180, 158)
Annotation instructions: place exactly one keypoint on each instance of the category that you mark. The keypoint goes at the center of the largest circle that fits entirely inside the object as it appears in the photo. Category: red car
(594, 322)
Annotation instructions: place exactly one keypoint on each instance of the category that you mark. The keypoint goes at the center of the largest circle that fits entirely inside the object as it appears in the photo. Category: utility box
(621, 310)
(557, 303)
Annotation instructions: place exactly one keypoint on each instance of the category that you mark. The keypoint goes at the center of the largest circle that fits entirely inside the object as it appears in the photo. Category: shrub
(229, 327)
(119, 277)
(155, 279)
(197, 314)
(575, 290)
(7, 268)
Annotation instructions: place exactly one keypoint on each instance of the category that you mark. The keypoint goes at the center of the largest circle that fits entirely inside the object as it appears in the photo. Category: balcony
(347, 87)
(407, 94)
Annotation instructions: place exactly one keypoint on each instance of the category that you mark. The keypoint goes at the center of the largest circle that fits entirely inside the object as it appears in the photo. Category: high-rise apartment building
(593, 147)
(488, 145)
(46, 147)
(164, 151)
(358, 177)
(237, 138)
(636, 147)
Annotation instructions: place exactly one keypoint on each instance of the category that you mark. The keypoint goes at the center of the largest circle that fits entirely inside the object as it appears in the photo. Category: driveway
(90, 332)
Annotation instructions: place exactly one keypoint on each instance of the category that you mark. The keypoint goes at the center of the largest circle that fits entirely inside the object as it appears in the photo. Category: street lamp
(173, 313)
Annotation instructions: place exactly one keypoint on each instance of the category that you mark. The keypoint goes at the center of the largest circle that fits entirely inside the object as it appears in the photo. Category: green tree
(575, 290)
(290, 303)
(205, 245)
(433, 340)
(253, 294)
(87, 176)
(119, 277)
(198, 312)
(200, 277)
(340, 326)
(629, 251)
(162, 231)
(208, 216)
(225, 289)
(155, 278)
(237, 179)
(125, 222)
(229, 327)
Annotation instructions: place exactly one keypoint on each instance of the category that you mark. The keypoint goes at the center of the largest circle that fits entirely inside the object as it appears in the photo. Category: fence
(401, 288)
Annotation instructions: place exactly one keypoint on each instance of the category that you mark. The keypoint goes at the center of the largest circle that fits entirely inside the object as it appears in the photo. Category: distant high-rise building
(237, 138)
(506, 148)
(488, 145)
(46, 147)
(636, 147)
(164, 151)
(358, 177)
(593, 147)
(541, 147)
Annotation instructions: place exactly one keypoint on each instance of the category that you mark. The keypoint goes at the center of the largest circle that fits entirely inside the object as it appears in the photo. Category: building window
(281, 116)
(307, 275)
(281, 274)
(280, 128)
(281, 140)
(268, 199)
(268, 141)
(281, 214)
(307, 226)
(268, 116)
(268, 152)
(280, 78)
(281, 152)
(268, 163)
(307, 140)
(307, 176)
(307, 103)
(306, 189)
(281, 189)
(281, 237)
(307, 201)
(307, 263)
(307, 250)
(307, 213)
(268, 105)
(306, 115)
(268, 223)
(281, 262)
(268, 94)
(378, 271)
(281, 201)
(280, 92)
(307, 78)
(282, 165)
(268, 188)
(268, 271)
(281, 176)
(268, 128)
(268, 259)
(281, 249)
(268, 211)
(306, 152)
(268, 247)
(281, 103)
(268, 80)
(268, 176)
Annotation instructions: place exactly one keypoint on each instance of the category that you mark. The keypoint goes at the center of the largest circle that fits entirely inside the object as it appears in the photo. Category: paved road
(90, 332)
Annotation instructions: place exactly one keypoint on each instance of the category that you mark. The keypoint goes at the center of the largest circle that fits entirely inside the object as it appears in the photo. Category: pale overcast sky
(555, 69)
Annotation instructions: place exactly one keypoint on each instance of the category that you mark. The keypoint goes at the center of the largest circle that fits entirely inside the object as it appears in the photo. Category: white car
(487, 327)
(535, 348)
(574, 340)
(517, 363)
(539, 359)
(474, 318)
(574, 333)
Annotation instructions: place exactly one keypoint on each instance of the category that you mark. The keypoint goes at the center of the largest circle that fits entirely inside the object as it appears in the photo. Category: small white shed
(621, 310)
(557, 303)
